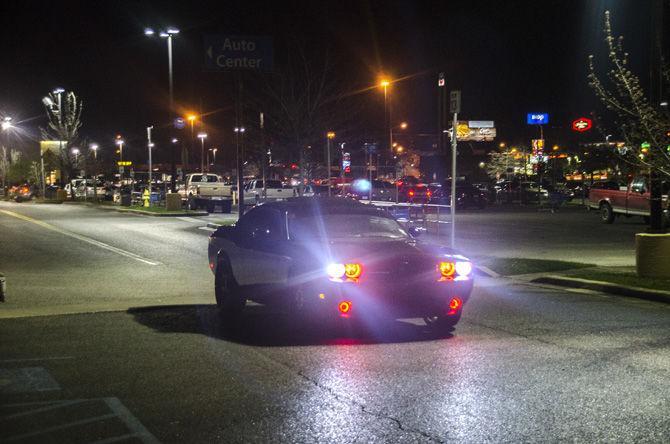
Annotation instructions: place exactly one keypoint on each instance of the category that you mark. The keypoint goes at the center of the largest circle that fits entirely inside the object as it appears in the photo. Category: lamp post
(119, 142)
(202, 137)
(329, 137)
(239, 133)
(150, 145)
(94, 147)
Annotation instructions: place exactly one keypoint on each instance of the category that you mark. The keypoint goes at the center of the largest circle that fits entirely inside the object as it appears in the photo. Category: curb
(146, 213)
(213, 225)
(606, 287)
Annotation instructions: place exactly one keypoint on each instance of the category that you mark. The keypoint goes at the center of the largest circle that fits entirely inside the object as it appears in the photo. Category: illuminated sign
(537, 118)
(52, 145)
(475, 131)
(582, 124)
(125, 163)
(232, 52)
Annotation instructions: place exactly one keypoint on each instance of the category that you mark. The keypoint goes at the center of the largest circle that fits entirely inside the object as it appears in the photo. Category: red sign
(582, 124)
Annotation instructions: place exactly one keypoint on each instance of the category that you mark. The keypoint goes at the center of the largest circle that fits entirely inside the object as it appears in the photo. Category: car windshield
(338, 226)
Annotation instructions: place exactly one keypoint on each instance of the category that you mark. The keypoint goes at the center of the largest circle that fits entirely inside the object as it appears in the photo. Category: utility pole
(455, 107)
(329, 137)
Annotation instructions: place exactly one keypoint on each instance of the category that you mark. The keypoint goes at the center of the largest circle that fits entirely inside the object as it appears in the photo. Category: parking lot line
(82, 238)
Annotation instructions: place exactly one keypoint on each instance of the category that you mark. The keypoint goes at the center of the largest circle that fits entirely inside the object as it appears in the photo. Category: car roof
(325, 205)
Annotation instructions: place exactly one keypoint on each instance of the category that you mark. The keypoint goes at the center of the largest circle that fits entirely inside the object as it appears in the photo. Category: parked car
(277, 249)
(379, 190)
(312, 190)
(21, 193)
(467, 196)
(273, 190)
(524, 192)
(613, 199)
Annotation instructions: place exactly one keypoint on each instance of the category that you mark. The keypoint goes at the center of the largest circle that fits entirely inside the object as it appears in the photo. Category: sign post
(454, 107)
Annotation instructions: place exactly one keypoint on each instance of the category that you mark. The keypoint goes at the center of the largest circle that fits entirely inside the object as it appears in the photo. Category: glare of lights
(463, 268)
(164, 34)
(502, 145)
(148, 31)
(58, 90)
(175, 140)
(555, 148)
(344, 307)
(94, 146)
(6, 123)
(384, 83)
(172, 31)
(239, 129)
(202, 135)
(335, 271)
(191, 117)
(447, 269)
(330, 135)
(403, 125)
(75, 151)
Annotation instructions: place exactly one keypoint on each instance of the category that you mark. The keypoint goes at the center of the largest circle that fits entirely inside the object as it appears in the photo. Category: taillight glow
(447, 269)
(455, 303)
(344, 307)
(353, 271)
(410, 193)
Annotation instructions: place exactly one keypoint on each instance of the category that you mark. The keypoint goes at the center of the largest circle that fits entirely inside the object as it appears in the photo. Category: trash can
(125, 199)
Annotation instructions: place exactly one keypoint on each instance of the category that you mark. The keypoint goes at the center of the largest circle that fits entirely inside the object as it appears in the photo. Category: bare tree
(642, 125)
(64, 122)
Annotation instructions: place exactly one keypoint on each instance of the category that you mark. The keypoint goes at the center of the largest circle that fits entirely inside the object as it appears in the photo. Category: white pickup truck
(208, 191)
(256, 193)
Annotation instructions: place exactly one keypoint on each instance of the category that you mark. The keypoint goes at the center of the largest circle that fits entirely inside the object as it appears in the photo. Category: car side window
(262, 224)
(638, 185)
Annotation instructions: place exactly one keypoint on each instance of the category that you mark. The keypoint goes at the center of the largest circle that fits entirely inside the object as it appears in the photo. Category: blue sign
(537, 118)
(233, 52)
(179, 123)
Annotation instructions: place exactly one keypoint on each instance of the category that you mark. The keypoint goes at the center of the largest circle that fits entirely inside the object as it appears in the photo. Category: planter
(652, 255)
(173, 202)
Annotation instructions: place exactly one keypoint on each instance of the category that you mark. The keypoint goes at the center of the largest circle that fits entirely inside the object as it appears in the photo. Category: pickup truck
(273, 191)
(208, 191)
(613, 199)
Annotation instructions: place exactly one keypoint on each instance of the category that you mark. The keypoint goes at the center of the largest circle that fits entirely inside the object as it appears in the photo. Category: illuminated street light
(148, 32)
(502, 145)
(403, 125)
(75, 151)
(94, 147)
(6, 123)
(555, 148)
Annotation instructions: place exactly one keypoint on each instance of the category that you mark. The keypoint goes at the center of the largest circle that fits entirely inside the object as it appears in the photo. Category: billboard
(474, 132)
(238, 52)
(537, 118)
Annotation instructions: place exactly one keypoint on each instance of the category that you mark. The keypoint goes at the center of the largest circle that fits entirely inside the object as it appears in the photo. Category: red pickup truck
(613, 199)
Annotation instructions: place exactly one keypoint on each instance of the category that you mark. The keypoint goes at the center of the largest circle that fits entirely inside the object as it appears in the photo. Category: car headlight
(463, 268)
(338, 272)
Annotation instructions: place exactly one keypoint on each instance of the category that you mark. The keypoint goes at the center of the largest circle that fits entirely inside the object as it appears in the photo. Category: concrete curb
(606, 287)
(213, 225)
(145, 213)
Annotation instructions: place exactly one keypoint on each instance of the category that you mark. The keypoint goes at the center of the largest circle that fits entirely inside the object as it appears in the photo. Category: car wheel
(228, 297)
(442, 324)
(606, 213)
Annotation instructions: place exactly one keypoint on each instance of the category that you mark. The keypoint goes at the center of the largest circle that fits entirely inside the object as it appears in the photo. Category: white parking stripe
(82, 238)
(189, 219)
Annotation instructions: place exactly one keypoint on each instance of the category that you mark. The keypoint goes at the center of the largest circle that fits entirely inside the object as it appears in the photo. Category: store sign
(52, 145)
(124, 163)
(582, 124)
(537, 118)
(234, 52)
(472, 131)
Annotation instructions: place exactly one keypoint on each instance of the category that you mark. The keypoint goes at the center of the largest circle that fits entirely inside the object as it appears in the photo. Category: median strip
(81, 238)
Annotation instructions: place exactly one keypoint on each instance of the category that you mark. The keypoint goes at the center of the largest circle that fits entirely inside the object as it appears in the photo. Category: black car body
(338, 257)
(467, 196)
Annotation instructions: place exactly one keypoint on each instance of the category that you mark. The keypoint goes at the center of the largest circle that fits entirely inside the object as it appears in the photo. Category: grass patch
(515, 266)
(626, 278)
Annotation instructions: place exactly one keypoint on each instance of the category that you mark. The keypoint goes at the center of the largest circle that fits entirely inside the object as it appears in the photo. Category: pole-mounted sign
(537, 118)
(582, 124)
(455, 102)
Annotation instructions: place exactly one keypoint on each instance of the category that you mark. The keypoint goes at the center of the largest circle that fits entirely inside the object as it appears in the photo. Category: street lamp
(385, 83)
(6, 123)
(119, 142)
(75, 151)
(202, 137)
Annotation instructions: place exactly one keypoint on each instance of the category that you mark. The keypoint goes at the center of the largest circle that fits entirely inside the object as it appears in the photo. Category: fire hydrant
(146, 197)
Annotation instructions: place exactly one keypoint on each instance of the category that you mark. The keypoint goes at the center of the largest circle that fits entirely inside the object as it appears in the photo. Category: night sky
(508, 57)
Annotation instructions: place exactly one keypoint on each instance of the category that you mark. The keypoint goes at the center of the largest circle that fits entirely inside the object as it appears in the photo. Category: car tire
(229, 299)
(442, 324)
(606, 213)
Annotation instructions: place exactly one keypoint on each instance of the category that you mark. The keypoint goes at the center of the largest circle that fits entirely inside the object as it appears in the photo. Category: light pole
(119, 142)
(94, 147)
(239, 133)
(75, 151)
(150, 145)
(6, 125)
(329, 137)
(202, 137)
(191, 118)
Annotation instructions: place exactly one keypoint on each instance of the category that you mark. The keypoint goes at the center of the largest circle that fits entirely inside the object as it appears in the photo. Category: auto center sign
(238, 52)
